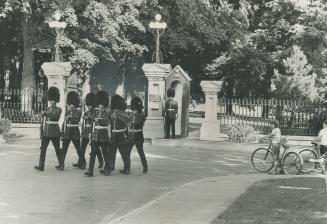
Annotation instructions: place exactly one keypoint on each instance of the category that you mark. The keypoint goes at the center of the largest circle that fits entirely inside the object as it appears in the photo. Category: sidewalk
(198, 202)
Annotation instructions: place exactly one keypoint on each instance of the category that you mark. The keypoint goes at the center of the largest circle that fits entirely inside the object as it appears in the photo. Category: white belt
(170, 109)
(88, 125)
(52, 122)
(72, 125)
(137, 130)
(118, 130)
(100, 127)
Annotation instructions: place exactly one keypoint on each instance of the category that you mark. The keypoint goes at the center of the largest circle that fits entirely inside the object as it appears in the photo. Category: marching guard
(100, 134)
(87, 127)
(71, 130)
(119, 120)
(135, 130)
(50, 130)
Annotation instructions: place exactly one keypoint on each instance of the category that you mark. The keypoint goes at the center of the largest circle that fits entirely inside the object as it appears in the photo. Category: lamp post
(59, 28)
(158, 29)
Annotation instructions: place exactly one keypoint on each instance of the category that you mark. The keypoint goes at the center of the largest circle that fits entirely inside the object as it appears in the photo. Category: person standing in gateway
(171, 113)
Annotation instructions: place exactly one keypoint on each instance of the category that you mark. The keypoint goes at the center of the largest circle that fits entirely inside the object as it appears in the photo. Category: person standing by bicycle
(275, 137)
(322, 141)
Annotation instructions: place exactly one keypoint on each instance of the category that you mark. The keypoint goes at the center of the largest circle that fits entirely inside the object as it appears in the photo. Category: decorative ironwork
(12, 101)
(296, 117)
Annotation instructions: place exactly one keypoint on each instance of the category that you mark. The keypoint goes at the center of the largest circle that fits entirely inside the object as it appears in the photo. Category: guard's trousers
(95, 149)
(84, 143)
(44, 146)
(77, 144)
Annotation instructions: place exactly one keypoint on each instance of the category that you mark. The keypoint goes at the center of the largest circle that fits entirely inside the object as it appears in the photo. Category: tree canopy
(253, 46)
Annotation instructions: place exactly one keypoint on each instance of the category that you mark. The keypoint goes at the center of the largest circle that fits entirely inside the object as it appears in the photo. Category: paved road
(29, 196)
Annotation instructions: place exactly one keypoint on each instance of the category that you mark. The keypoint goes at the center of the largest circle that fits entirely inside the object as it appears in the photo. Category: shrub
(5, 126)
(241, 133)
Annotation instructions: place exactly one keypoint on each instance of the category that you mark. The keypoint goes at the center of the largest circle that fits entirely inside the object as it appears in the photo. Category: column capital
(211, 86)
(154, 71)
(57, 68)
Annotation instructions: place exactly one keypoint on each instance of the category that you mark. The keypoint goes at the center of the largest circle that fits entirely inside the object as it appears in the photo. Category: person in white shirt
(322, 142)
(275, 136)
(322, 137)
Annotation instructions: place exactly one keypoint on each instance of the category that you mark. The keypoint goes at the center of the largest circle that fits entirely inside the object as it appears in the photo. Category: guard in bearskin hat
(135, 130)
(171, 113)
(100, 134)
(50, 130)
(70, 128)
(87, 127)
(118, 134)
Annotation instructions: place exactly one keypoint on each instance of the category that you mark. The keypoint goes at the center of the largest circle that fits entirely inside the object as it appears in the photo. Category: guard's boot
(61, 165)
(82, 166)
(127, 171)
(89, 173)
(76, 165)
(145, 169)
(39, 167)
(100, 165)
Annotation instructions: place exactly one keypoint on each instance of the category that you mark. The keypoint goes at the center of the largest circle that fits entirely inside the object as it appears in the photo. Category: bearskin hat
(73, 98)
(90, 99)
(117, 103)
(137, 104)
(102, 98)
(170, 92)
(53, 94)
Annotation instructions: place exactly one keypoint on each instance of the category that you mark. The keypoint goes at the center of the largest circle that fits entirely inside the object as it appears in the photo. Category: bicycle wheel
(307, 154)
(262, 160)
(292, 163)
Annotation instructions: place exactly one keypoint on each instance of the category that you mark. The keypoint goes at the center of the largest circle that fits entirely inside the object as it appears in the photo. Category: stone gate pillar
(57, 73)
(156, 75)
(210, 128)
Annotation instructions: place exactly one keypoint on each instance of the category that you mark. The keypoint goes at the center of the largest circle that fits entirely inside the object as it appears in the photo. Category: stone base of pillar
(210, 130)
(154, 127)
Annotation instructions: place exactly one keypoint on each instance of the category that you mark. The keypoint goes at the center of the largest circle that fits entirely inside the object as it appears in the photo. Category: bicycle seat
(314, 143)
(286, 146)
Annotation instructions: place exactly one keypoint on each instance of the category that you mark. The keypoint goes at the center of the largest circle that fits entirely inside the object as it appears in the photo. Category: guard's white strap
(101, 127)
(72, 125)
(52, 122)
(118, 130)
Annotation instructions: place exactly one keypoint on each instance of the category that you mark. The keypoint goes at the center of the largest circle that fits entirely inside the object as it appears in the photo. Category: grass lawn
(280, 201)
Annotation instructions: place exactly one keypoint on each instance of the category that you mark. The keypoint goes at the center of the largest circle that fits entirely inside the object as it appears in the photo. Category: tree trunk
(28, 77)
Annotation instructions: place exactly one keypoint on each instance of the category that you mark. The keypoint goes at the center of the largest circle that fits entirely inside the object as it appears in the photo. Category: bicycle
(311, 158)
(263, 160)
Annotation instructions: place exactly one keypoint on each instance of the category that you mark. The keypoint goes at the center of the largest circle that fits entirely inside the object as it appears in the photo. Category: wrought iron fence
(296, 117)
(22, 106)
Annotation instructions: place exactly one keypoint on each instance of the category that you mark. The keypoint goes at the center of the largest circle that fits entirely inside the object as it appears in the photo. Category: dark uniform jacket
(171, 109)
(135, 127)
(51, 127)
(71, 124)
(119, 121)
(87, 126)
(101, 126)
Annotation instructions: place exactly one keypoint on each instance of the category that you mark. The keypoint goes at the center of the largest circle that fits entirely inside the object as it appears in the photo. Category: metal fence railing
(296, 117)
(22, 106)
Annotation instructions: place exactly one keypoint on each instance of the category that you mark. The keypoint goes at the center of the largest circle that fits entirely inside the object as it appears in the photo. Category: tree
(300, 81)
